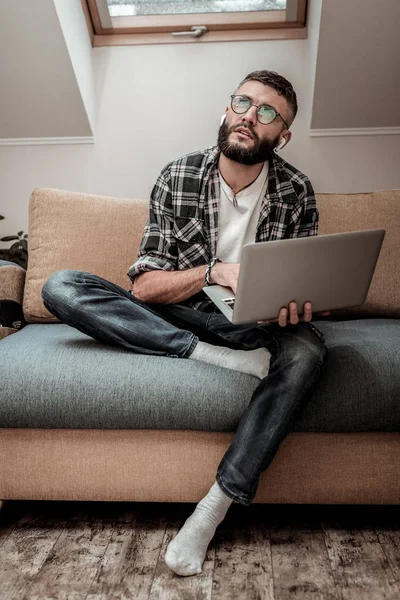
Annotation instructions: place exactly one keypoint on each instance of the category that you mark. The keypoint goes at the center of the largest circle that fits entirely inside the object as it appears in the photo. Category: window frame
(256, 25)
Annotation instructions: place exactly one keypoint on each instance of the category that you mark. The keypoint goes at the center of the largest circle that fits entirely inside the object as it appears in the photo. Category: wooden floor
(93, 551)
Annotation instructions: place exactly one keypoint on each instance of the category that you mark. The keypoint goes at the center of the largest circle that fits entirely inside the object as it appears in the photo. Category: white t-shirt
(238, 216)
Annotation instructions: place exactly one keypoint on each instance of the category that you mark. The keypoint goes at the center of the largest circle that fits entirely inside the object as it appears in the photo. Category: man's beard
(261, 150)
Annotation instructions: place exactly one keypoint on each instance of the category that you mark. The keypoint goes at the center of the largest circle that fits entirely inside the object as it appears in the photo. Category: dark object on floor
(11, 314)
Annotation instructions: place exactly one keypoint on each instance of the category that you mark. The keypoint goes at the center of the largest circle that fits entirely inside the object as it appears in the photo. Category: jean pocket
(317, 332)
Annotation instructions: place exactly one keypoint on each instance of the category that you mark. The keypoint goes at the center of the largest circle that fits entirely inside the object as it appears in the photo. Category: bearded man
(204, 207)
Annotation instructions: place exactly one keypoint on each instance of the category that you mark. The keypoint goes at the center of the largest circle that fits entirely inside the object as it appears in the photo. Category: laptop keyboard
(229, 302)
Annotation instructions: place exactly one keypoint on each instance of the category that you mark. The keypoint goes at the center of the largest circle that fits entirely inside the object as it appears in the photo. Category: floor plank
(387, 527)
(127, 569)
(10, 514)
(359, 564)
(243, 566)
(301, 568)
(169, 586)
(26, 549)
(72, 563)
(390, 542)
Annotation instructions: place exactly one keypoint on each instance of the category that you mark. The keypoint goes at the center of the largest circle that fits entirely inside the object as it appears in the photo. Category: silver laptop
(330, 271)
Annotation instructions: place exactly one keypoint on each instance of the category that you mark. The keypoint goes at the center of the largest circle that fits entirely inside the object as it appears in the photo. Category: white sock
(186, 552)
(253, 362)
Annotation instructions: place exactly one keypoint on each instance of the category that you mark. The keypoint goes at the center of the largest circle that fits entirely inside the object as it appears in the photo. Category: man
(203, 208)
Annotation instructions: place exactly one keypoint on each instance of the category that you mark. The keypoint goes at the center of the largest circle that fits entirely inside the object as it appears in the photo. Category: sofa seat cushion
(53, 376)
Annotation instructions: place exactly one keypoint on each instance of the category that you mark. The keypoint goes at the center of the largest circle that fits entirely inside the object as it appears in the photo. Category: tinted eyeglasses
(265, 113)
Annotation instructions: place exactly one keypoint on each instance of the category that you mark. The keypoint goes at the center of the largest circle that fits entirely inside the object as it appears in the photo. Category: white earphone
(281, 144)
(222, 119)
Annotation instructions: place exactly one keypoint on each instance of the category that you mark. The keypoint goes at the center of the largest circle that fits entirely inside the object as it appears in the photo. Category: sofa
(80, 420)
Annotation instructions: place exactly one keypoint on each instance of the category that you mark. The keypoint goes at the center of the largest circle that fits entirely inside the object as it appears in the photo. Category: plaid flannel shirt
(182, 229)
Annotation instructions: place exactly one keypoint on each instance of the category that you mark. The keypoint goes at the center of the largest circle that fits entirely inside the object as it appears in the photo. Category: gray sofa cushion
(53, 376)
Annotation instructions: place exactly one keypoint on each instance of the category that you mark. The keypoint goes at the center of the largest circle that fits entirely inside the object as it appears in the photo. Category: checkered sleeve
(158, 247)
(307, 224)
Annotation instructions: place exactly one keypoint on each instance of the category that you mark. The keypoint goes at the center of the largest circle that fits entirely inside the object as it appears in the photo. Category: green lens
(240, 104)
(266, 114)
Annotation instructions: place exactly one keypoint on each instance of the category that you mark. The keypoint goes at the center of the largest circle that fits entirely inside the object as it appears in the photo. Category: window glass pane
(129, 8)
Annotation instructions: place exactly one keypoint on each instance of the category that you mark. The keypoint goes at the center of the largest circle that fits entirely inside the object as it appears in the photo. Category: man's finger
(283, 315)
(307, 315)
(294, 317)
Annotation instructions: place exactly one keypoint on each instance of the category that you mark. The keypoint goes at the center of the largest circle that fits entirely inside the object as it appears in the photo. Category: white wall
(39, 94)
(155, 103)
(358, 58)
(73, 24)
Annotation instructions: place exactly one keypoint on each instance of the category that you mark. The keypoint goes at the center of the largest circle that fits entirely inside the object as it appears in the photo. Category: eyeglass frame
(257, 107)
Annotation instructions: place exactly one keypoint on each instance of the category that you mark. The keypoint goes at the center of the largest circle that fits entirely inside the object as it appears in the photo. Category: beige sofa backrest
(69, 230)
(101, 235)
(352, 212)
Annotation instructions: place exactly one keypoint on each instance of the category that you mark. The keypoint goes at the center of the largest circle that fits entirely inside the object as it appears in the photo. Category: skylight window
(173, 21)
(131, 8)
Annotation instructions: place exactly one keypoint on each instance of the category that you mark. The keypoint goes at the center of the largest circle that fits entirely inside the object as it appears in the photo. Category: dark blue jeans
(112, 315)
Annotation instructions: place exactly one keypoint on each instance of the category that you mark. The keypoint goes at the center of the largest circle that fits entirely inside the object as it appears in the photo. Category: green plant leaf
(9, 238)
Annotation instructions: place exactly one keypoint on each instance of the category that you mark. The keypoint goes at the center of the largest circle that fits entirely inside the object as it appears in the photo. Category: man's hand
(225, 274)
(294, 318)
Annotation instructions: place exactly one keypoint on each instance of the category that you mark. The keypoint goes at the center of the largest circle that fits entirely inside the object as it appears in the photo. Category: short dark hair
(278, 83)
